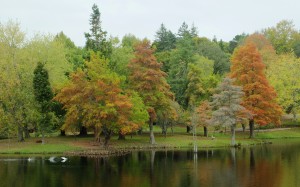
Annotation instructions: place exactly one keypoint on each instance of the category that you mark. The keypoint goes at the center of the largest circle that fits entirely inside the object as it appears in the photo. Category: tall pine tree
(96, 40)
(43, 95)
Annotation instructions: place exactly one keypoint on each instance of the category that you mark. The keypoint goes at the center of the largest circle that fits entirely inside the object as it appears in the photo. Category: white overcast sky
(221, 18)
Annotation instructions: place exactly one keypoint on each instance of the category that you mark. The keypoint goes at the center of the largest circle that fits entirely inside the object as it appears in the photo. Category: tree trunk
(251, 127)
(97, 135)
(20, 134)
(62, 133)
(244, 127)
(232, 135)
(121, 136)
(43, 137)
(83, 131)
(140, 131)
(205, 131)
(106, 139)
(152, 139)
(188, 129)
(26, 132)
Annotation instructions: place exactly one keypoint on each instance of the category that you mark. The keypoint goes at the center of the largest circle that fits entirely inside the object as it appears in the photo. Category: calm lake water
(265, 166)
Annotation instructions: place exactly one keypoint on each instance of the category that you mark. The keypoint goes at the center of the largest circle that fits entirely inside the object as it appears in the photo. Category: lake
(265, 166)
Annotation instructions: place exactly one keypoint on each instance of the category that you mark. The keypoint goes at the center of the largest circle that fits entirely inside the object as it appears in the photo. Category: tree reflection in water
(272, 166)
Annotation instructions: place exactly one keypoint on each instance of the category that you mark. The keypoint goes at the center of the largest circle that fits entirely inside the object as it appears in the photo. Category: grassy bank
(180, 139)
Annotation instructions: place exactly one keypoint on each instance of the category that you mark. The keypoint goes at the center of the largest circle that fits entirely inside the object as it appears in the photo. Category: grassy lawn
(180, 139)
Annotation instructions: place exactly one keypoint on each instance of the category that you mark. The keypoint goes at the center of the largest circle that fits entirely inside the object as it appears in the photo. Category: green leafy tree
(120, 57)
(212, 51)
(236, 41)
(180, 57)
(74, 54)
(284, 76)
(201, 81)
(53, 54)
(16, 92)
(283, 36)
(130, 40)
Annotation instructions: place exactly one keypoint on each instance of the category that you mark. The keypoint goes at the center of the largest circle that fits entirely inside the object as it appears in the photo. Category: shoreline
(85, 146)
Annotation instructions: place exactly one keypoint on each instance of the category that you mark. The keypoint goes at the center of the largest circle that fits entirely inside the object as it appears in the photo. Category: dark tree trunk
(26, 132)
(106, 140)
(121, 136)
(62, 132)
(20, 134)
(205, 131)
(188, 129)
(152, 139)
(83, 131)
(244, 127)
(107, 135)
(140, 131)
(251, 127)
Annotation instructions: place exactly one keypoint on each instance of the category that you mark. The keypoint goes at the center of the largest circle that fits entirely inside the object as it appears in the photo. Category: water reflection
(271, 166)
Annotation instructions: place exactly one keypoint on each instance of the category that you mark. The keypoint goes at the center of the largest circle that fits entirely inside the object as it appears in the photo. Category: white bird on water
(64, 159)
(54, 159)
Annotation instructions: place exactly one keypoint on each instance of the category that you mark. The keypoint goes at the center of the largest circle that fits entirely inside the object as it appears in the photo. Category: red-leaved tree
(149, 81)
(260, 97)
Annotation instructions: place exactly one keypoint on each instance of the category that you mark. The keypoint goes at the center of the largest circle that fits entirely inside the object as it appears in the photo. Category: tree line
(113, 86)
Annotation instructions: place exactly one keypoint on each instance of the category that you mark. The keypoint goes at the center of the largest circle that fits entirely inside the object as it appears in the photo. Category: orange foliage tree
(260, 98)
(94, 98)
(264, 47)
(149, 81)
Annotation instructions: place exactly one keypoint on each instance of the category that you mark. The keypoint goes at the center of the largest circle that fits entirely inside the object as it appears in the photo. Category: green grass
(180, 139)
(53, 145)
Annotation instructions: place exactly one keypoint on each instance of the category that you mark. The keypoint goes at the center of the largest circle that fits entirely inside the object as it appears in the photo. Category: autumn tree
(260, 97)
(95, 99)
(264, 47)
(149, 81)
(226, 106)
